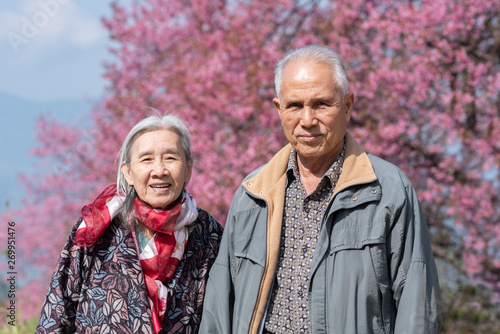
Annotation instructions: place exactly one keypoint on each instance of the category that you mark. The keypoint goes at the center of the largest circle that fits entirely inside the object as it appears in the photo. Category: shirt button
(374, 191)
(354, 198)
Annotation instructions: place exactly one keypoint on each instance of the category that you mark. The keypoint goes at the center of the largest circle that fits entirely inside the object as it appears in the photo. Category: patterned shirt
(288, 310)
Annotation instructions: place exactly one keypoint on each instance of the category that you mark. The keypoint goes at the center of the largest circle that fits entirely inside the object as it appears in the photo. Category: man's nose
(308, 117)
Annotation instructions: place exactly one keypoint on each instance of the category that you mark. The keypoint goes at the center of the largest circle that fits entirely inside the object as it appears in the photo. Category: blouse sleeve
(59, 308)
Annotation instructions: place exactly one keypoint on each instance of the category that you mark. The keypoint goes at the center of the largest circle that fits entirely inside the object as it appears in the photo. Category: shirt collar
(332, 173)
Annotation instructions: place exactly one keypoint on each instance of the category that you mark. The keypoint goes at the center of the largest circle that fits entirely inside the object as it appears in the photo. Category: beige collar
(357, 168)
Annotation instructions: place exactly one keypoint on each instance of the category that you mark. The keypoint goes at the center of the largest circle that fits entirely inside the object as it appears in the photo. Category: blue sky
(52, 53)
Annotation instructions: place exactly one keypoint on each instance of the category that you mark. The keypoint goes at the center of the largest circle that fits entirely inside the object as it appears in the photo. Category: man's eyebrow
(324, 98)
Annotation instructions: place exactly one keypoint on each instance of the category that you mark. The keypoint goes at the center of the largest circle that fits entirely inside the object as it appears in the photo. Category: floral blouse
(101, 289)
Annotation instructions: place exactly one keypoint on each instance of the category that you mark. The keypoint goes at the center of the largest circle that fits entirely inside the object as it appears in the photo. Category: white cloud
(52, 48)
(85, 33)
(45, 23)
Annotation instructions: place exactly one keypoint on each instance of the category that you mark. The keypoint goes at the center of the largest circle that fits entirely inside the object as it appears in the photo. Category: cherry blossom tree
(426, 80)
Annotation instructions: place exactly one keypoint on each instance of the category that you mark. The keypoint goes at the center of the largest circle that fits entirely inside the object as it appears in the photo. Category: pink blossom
(424, 75)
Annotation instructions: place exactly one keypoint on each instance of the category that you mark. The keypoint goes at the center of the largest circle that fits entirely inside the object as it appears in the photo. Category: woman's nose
(159, 168)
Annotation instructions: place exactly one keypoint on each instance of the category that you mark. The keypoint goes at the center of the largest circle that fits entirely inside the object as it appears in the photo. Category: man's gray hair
(148, 124)
(317, 53)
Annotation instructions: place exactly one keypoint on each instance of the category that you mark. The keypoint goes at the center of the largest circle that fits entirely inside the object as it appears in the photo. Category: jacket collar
(357, 169)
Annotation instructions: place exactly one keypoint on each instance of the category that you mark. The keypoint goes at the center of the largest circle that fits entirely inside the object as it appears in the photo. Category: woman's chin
(161, 202)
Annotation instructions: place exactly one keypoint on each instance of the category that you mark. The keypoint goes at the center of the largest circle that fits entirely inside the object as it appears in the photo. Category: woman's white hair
(314, 52)
(148, 124)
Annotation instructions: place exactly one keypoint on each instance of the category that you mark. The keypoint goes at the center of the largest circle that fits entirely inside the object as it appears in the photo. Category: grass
(20, 327)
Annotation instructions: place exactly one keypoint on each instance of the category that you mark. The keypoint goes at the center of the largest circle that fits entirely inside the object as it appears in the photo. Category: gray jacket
(372, 271)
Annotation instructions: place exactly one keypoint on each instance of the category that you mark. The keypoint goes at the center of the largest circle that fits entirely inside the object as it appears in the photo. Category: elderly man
(324, 238)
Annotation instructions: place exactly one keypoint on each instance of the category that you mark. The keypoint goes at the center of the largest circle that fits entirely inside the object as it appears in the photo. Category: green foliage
(21, 326)
(468, 309)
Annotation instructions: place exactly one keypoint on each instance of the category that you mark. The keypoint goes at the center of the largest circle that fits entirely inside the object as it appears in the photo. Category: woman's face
(158, 168)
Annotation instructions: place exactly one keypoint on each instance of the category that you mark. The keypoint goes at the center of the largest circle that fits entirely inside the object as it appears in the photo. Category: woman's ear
(128, 175)
(189, 172)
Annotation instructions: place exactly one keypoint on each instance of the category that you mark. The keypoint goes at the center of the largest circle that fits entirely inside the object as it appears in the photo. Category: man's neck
(311, 172)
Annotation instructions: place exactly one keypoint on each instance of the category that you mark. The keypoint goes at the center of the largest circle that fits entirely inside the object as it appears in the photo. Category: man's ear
(349, 102)
(277, 105)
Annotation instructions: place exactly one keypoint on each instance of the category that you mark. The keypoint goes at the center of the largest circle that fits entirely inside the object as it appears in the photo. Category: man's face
(313, 111)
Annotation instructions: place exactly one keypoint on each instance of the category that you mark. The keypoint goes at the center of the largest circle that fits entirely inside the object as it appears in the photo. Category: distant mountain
(17, 134)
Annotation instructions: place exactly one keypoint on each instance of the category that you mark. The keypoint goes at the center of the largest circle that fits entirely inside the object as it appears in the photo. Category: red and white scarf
(161, 255)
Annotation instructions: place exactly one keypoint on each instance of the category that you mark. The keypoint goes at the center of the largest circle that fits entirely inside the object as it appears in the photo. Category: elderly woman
(138, 259)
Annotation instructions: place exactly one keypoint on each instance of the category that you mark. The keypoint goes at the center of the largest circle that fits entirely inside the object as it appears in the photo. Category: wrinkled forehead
(135, 143)
(302, 67)
(310, 74)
